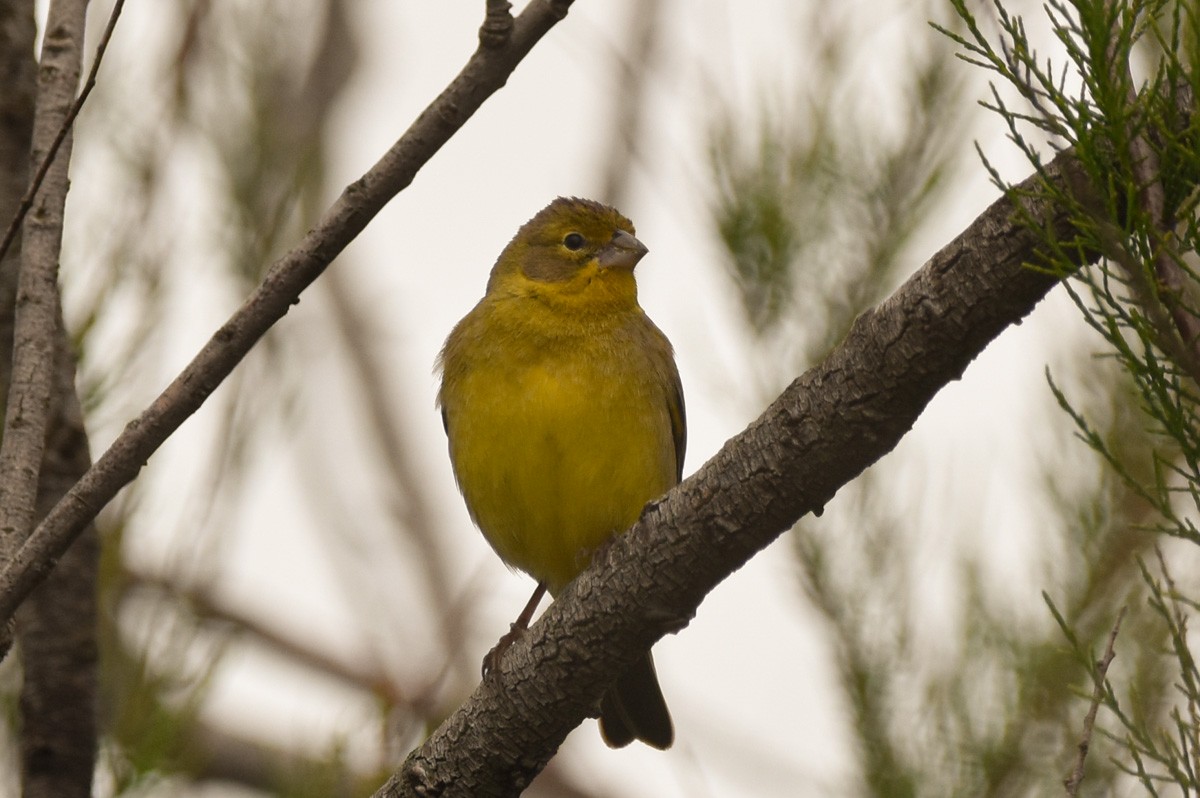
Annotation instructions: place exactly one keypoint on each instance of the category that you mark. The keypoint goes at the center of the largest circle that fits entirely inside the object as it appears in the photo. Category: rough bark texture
(57, 625)
(18, 76)
(826, 428)
(37, 305)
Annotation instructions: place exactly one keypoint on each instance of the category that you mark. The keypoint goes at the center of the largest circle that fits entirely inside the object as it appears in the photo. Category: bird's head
(574, 250)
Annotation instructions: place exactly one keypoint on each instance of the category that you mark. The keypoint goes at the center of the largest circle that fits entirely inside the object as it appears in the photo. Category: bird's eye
(573, 242)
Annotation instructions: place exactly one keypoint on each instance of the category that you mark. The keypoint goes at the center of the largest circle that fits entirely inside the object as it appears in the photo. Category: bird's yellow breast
(558, 437)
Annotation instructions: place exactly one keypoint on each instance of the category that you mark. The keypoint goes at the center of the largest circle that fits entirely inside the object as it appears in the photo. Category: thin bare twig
(485, 72)
(1075, 779)
(40, 175)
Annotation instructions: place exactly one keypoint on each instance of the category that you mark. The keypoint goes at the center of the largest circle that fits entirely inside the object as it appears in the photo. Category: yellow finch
(565, 415)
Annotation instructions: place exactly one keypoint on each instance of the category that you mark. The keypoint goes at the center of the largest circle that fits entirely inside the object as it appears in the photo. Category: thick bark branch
(58, 623)
(487, 70)
(17, 32)
(37, 303)
(826, 428)
(57, 627)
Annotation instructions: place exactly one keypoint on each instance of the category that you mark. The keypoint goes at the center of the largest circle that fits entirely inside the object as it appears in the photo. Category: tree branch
(1075, 779)
(58, 623)
(826, 428)
(485, 72)
(37, 303)
(67, 122)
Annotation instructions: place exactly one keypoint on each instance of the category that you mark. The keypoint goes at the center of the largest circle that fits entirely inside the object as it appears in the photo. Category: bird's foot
(491, 660)
(516, 631)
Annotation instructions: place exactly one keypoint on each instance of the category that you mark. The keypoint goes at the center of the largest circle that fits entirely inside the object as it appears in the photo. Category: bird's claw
(491, 660)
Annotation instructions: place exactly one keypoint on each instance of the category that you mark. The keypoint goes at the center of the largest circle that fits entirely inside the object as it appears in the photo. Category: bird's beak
(623, 252)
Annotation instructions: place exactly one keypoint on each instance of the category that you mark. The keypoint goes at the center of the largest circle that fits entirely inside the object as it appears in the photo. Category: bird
(564, 416)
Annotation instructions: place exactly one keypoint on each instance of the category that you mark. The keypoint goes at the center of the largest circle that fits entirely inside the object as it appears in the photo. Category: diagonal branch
(826, 428)
(66, 124)
(485, 72)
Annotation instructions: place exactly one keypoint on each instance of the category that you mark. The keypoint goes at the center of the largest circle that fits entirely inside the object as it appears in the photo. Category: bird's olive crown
(562, 238)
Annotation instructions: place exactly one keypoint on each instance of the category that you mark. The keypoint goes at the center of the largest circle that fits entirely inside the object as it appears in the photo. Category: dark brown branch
(486, 71)
(826, 428)
(1075, 779)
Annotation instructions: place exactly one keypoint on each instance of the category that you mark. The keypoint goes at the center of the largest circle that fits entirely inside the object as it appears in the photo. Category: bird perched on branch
(565, 416)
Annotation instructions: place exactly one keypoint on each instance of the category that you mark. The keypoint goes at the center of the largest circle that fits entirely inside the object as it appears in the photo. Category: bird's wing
(678, 421)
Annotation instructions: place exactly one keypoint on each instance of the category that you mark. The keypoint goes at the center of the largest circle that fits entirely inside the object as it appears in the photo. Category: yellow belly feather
(557, 444)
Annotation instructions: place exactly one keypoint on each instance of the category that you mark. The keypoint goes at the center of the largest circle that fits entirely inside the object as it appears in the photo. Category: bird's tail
(634, 709)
